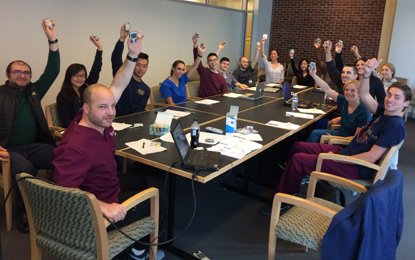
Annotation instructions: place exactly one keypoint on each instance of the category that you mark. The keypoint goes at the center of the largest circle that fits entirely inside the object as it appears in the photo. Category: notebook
(204, 160)
(286, 91)
(258, 93)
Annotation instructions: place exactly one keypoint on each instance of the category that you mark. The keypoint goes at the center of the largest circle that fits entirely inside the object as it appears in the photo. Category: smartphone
(133, 37)
(312, 65)
(49, 23)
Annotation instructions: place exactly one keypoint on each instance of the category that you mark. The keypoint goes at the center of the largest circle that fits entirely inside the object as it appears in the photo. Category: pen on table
(144, 144)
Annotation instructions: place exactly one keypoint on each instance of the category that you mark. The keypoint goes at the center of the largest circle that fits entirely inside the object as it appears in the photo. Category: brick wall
(295, 24)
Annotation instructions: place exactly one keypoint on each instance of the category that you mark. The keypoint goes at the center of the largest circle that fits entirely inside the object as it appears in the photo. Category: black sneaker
(282, 165)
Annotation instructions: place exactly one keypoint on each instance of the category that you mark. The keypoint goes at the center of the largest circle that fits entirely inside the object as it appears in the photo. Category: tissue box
(231, 123)
(159, 129)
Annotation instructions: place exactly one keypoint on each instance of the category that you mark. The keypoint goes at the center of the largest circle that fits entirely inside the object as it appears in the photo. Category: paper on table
(299, 115)
(208, 102)
(202, 138)
(232, 95)
(272, 85)
(138, 146)
(250, 137)
(119, 126)
(228, 151)
(252, 88)
(311, 110)
(299, 87)
(242, 144)
(283, 125)
(177, 114)
(271, 89)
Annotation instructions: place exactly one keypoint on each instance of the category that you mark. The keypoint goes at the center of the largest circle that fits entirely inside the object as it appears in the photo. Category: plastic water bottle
(294, 103)
(194, 133)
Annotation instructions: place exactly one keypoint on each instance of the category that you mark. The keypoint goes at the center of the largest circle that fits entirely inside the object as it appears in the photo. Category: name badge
(140, 91)
(250, 81)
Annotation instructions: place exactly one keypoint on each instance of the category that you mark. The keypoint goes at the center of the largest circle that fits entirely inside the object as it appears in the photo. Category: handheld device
(353, 48)
(265, 36)
(200, 255)
(202, 46)
(340, 43)
(49, 23)
(223, 43)
(133, 37)
(196, 35)
(326, 43)
(318, 40)
(312, 65)
(127, 26)
(214, 130)
(95, 37)
(258, 44)
(292, 51)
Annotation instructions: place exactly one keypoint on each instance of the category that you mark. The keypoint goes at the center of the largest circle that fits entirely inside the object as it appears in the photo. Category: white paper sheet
(311, 110)
(242, 144)
(232, 95)
(271, 89)
(252, 88)
(148, 149)
(119, 126)
(177, 114)
(250, 137)
(208, 102)
(228, 151)
(163, 118)
(299, 115)
(283, 125)
(299, 87)
(272, 85)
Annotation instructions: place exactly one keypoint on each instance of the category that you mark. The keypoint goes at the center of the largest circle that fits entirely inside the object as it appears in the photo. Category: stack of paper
(232, 95)
(119, 126)
(144, 146)
(177, 114)
(311, 110)
(299, 115)
(283, 125)
(208, 102)
(299, 87)
(235, 147)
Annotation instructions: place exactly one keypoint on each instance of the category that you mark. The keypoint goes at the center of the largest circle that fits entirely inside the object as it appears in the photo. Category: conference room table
(251, 113)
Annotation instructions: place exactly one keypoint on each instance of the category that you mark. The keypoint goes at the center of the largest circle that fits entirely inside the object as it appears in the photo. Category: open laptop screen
(180, 140)
(286, 91)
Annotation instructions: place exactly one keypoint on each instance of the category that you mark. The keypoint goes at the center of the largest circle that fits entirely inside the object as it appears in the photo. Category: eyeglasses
(212, 60)
(78, 76)
(19, 72)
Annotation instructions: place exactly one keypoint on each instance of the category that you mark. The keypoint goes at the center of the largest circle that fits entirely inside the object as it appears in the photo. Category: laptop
(204, 160)
(286, 91)
(258, 93)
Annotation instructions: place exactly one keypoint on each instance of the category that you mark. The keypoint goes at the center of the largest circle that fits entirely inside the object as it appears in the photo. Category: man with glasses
(211, 82)
(24, 132)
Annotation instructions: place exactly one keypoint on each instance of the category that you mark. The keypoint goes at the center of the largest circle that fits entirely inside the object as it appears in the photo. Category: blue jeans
(317, 133)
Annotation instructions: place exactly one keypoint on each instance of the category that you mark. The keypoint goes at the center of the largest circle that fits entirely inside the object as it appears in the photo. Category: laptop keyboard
(198, 157)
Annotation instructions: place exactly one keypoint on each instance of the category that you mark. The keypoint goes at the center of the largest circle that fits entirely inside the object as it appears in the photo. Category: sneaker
(267, 209)
(144, 255)
(282, 165)
(305, 180)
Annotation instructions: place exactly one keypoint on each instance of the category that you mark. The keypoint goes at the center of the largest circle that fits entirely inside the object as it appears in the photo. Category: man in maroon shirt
(211, 82)
(85, 156)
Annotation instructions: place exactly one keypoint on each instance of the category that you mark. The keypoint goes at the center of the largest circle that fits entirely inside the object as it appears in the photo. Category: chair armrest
(56, 128)
(150, 193)
(326, 138)
(344, 159)
(333, 126)
(338, 141)
(316, 176)
(5, 165)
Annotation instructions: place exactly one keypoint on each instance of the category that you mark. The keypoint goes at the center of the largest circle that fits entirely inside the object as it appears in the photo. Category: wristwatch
(131, 58)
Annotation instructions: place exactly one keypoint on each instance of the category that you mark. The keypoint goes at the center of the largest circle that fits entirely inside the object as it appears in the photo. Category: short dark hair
(224, 59)
(9, 67)
(353, 67)
(143, 56)
(212, 54)
(405, 89)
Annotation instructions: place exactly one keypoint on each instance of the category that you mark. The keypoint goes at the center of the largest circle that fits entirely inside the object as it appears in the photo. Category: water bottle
(294, 103)
(194, 133)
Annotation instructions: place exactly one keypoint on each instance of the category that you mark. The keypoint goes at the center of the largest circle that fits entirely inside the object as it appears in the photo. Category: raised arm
(116, 56)
(51, 35)
(220, 47)
(262, 49)
(320, 63)
(255, 60)
(355, 50)
(97, 65)
(196, 53)
(196, 62)
(338, 57)
(293, 63)
(364, 94)
(323, 85)
(328, 51)
(124, 74)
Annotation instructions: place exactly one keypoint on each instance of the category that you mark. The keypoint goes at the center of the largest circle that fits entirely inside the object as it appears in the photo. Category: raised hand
(222, 45)
(258, 46)
(123, 33)
(338, 48)
(95, 40)
(263, 40)
(200, 50)
(291, 54)
(329, 46)
(371, 65)
(135, 48)
(50, 32)
(312, 71)
(317, 44)
(194, 40)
